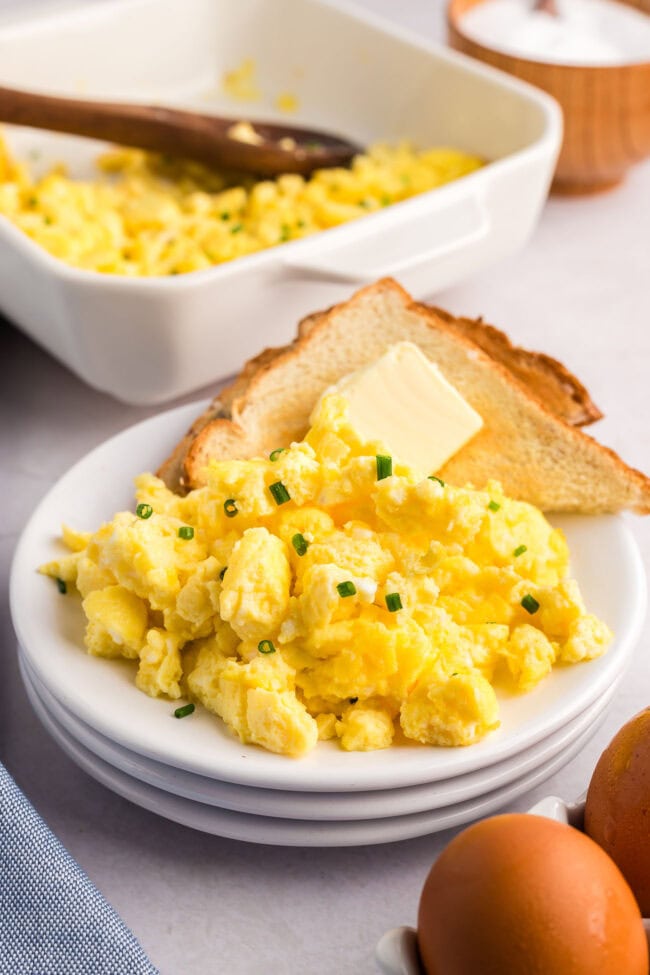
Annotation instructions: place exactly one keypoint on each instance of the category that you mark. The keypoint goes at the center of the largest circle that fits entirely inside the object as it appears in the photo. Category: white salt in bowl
(606, 117)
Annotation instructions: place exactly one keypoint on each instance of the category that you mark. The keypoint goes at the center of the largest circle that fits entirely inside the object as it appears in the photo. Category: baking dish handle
(413, 240)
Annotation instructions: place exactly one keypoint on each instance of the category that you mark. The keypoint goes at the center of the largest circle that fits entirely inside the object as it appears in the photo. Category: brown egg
(525, 895)
(617, 813)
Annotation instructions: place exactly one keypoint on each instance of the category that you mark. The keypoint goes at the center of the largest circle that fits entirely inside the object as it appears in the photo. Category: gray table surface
(200, 904)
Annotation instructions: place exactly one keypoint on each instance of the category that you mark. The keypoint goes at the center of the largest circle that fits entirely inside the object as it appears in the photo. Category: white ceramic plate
(315, 805)
(103, 694)
(293, 832)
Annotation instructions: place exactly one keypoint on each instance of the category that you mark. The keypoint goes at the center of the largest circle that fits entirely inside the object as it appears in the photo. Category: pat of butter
(404, 401)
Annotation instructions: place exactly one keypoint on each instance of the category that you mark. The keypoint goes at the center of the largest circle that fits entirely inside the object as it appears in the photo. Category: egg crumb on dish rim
(149, 215)
(330, 592)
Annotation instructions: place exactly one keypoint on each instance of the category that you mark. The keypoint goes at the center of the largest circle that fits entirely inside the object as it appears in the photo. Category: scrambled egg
(150, 215)
(241, 84)
(301, 597)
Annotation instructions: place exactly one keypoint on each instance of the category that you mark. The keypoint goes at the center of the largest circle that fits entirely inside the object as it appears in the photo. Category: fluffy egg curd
(331, 592)
(148, 215)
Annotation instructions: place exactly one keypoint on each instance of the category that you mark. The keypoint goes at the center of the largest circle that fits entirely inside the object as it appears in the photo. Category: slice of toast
(543, 376)
(547, 378)
(537, 455)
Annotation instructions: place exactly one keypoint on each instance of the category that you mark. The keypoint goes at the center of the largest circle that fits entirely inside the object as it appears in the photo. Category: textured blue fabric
(53, 920)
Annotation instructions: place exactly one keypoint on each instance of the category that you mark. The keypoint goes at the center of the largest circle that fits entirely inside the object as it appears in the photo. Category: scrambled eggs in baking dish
(329, 592)
(148, 215)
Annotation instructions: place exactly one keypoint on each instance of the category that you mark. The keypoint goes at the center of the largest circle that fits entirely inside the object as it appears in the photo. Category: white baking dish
(149, 340)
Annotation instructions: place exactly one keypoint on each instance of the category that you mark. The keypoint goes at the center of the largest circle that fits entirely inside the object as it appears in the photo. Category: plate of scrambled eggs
(353, 626)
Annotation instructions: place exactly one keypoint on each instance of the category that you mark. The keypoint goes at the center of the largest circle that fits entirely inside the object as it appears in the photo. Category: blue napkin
(53, 920)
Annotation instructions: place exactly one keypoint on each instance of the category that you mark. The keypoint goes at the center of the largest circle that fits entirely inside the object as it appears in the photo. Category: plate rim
(85, 735)
(318, 832)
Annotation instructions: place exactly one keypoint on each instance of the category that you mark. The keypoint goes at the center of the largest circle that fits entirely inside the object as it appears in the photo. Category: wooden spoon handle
(148, 127)
(179, 133)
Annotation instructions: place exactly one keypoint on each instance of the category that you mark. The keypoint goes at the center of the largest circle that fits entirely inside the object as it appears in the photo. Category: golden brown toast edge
(243, 390)
(542, 375)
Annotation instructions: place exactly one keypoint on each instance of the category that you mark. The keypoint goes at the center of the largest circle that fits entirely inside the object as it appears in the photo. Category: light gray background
(200, 904)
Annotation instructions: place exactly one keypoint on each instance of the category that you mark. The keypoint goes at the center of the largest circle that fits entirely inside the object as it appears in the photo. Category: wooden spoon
(210, 139)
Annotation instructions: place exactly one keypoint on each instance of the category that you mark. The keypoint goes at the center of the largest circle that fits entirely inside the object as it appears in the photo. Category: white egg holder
(397, 952)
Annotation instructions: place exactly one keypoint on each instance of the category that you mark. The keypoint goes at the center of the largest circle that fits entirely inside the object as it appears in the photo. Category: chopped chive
(279, 492)
(455, 674)
(300, 543)
(273, 456)
(346, 589)
(393, 602)
(144, 511)
(494, 505)
(186, 532)
(183, 711)
(438, 480)
(530, 604)
(61, 585)
(230, 508)
(385, 200)
(520, 550)
(225, 216)
(265, 646)
(384, 466)
(236, 228)
(223, 572)
(301, 224)
(285, 233)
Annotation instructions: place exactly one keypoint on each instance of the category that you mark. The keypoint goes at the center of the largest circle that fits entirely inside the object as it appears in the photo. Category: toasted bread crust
(537, 455)
(545, 377)
(542, 375)
(172, 470)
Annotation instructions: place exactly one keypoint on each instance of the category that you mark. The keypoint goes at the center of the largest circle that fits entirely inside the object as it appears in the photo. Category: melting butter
(403, 400)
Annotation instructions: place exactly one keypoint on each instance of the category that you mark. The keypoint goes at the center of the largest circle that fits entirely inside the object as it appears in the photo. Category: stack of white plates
(193, 771)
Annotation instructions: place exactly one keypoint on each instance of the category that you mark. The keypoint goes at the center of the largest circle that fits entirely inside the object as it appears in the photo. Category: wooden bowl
(606, 109)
